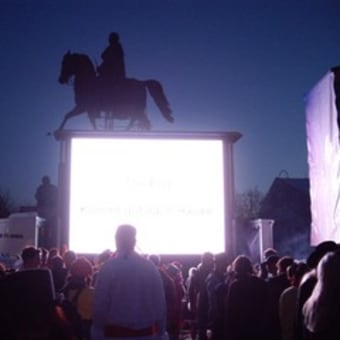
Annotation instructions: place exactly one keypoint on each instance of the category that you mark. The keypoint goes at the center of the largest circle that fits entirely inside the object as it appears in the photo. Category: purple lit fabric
(323, 160)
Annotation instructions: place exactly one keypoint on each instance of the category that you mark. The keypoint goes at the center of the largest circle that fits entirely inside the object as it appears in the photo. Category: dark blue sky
(225, 66)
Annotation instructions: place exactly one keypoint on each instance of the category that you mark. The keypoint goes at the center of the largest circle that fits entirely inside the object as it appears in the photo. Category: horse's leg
(131, 122)
(137, 111)
(75, 112)
(106, 120)
(92, 117)
(144, 122)
(109, 120)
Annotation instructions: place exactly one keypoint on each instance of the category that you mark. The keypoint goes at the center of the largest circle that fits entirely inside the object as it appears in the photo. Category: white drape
(323, 160)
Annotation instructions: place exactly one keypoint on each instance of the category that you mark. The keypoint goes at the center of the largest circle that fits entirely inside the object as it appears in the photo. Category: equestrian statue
(106, 93)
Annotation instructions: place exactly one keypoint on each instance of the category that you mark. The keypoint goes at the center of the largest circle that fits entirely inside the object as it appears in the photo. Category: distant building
(28, 208)
(288, 203)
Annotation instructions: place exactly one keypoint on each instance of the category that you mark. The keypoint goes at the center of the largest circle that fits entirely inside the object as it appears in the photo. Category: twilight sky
(241, 65)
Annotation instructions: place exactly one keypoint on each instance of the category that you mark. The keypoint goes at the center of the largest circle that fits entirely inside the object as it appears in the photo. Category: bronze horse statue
(125, 100)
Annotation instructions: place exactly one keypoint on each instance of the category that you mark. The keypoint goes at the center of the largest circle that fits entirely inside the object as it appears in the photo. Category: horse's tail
(156, 91)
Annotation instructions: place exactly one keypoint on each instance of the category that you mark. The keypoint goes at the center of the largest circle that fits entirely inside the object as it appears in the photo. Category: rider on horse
(106, 90)
(112, 72)
(113, 67)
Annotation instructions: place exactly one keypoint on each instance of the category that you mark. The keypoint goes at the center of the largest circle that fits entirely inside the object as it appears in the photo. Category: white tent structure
(322, 129)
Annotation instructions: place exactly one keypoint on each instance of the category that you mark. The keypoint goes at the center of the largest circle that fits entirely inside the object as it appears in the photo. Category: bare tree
(248, 204)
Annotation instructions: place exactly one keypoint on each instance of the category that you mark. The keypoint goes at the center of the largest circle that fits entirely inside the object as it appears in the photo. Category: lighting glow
(171, 190)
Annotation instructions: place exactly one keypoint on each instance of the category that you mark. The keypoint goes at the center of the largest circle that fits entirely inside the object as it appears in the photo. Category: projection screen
(173, 190)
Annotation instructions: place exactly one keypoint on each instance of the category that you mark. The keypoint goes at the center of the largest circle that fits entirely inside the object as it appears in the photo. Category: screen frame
(65, 138)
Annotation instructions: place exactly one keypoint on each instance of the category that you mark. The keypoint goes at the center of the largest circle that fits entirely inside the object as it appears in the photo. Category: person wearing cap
(129, 300)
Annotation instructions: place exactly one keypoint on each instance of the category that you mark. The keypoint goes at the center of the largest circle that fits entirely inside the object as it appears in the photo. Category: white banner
(323, 160)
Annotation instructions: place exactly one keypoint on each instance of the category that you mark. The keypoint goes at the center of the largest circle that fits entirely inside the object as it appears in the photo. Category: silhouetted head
(328, 270)
(321, 309)
(69, 257)
(296, 271)
(113, 38)
(46, 180)
(30, 257)
(269, 252)
(125, 238)
(81, 268)
(242, 265)
(321, 249)
(207, 260)
(271, 263)
(283, 263)
(221, 262)
(56, 263)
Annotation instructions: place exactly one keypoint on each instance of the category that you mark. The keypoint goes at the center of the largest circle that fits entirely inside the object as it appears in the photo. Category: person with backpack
(78, 294)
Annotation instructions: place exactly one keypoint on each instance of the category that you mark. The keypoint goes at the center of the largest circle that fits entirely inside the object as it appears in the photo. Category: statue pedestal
(264, 237)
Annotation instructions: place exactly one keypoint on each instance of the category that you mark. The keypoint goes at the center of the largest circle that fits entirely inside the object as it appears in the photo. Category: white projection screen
(173, 190)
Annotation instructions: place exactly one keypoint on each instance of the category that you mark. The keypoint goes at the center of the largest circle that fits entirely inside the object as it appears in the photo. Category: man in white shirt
(129, 299)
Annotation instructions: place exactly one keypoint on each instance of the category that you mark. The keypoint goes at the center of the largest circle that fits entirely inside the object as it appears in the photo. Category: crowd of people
(58, 294)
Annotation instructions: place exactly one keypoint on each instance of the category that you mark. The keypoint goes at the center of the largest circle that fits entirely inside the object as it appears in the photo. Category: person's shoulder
(107, 265)
(147, 265)
(309, 278)
(290, 291)
(144, 261)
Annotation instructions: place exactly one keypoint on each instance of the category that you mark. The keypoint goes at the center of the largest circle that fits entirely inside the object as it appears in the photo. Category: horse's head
(67, 68)
(78, 65)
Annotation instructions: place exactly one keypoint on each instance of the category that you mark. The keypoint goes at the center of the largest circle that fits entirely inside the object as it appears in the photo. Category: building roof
(300, 184)
(291, 193)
